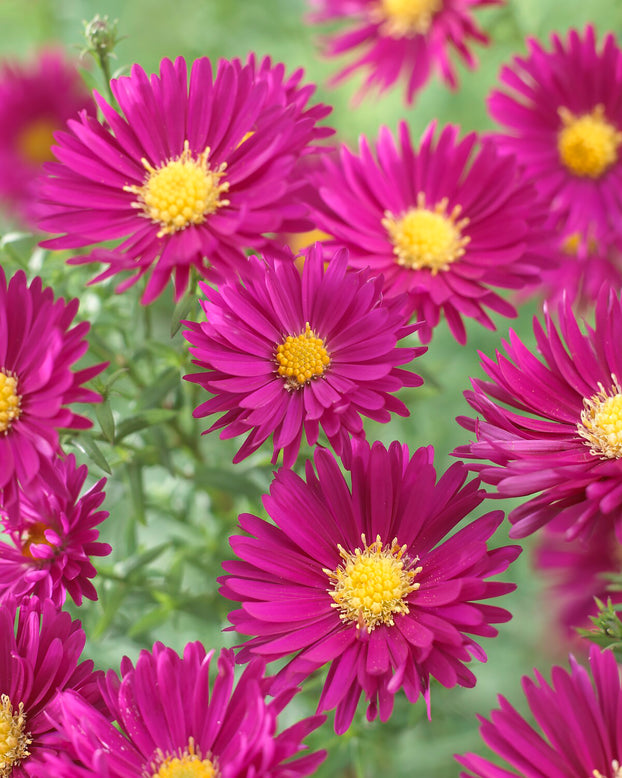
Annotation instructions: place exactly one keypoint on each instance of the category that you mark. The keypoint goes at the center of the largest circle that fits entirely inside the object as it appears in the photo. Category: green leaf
(142, 419)
(105, 418)
(182, 309)
(89, 447)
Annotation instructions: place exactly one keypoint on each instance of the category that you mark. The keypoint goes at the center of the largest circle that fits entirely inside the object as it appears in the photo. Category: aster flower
(446, 223)
(170, 723)
(40, 648)
(186, 173)
(50, 536)
(551, 427)
(564, 120)
(38, 347)
(36, 100)
(408, 39)
(364, 578)
(577, 732)
(286, 352)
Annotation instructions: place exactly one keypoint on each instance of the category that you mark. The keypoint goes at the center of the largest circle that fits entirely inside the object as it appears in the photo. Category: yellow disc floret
(588, 144)
(371, 585)
(427, 238)
(601, 421)
(406, 18)
(14, 740)
(187, 764)
(181, 192)
(10, 401)
(301, 358)
(35, 141)
(616, 771)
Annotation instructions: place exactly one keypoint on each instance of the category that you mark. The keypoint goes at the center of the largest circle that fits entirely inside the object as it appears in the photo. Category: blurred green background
(169, 522)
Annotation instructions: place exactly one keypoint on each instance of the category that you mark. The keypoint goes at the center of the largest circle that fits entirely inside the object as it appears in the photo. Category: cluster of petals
(36, 99)
(577, 730)
(248, 319)
(242, 129)
(395, 512)
(51, 534)
(478, 193)
(531, 433)
(387, 50)
(164, 718)
(38, 348)
(547, 91)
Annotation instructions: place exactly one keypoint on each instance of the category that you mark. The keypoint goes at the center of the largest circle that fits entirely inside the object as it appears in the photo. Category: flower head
(38, 347)
(36, 100)
(286, 352)
(171, 724)
(50, 536)
(208, 182)
(577, 731)
(363, 577)
(407, 39)
(564, 123)
(446, 223)
(552, 427)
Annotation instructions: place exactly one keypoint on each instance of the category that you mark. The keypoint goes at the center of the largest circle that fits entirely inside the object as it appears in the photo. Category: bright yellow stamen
(35, 534)
(407, 18)
(588, 144)
(10, 401)
(301, 358)
(427, 238)
(14, 741)
(186, 764)
(616, 771)
(34, 142)
(601, 421)
(300, 240)
(371, 585)
(181, 192)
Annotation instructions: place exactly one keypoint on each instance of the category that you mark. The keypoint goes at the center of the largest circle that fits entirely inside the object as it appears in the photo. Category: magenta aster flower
(577, 732)
(170, 724)
(38, 347)
(552, 427)
(406, 39)
(186, 172)
(40, 648)
(286, 352)
(362, 576)
(36, 100)
(51, 535)
(564, 120)
(446, 224)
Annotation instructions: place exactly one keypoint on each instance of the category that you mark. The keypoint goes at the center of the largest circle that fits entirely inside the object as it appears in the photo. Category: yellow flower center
(14, 741)
(616, 771)
(301, 358)
(10, 401)
(588, 144)
(186, 764)
(407, 18)
(181, 192)
(371, 585)
(35, 534)
(427, 238)
(601, 421)
(35, 141)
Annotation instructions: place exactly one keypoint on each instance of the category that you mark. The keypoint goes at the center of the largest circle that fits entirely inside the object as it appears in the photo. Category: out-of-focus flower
(402, 39)
(552, 427)
(36, 100)
(446, 224)
(362, 576)
(577, 733)
(564, 119)
(51, 535)
(189, 175)
(286, 352)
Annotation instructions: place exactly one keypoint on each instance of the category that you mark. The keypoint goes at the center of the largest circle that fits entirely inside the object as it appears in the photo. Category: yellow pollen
(406, 18)
(35, 534)
(14, 741)
(186, 764)
(427, 238)
(587, 144)
(371, 585)
(601, 421)
(35, 141)
(301, 358)
(10, 401)
(616, 771)
(181, 192)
